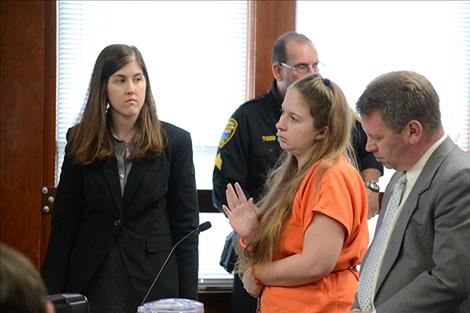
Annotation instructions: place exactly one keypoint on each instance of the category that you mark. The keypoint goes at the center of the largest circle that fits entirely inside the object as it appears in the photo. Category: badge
(228, 133)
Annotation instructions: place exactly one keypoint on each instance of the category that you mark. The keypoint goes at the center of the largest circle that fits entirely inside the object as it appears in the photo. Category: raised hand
(242, 213)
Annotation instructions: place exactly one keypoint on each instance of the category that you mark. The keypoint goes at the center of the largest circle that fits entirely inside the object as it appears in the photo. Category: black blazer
(159, 206)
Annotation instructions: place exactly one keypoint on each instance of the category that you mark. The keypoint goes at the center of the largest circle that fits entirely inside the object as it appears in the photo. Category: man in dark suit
(420, 258)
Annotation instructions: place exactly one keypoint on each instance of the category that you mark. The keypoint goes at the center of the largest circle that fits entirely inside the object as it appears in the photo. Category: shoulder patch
(228, 133)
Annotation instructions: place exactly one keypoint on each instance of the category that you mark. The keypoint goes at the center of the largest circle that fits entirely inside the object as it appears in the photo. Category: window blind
(464, 26)
(195, 52)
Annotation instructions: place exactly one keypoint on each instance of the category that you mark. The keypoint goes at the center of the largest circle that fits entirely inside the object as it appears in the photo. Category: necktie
(369, 270)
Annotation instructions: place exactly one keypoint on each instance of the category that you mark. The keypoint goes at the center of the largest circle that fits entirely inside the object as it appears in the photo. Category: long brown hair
(90, 139)
(330, 111)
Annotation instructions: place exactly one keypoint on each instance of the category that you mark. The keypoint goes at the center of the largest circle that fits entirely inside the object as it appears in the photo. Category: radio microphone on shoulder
(202, 227)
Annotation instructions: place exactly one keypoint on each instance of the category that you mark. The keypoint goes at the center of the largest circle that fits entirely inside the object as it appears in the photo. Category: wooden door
(27, 122)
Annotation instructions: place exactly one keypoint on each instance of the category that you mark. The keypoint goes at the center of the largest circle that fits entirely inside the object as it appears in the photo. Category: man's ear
(414, 131)
(276, 68)
(321, 134)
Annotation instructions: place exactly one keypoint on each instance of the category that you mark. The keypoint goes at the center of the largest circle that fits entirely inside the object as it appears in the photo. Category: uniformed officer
(248, 148)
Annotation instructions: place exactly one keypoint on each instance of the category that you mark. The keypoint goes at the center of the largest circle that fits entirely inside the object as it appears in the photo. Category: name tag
(269, 138)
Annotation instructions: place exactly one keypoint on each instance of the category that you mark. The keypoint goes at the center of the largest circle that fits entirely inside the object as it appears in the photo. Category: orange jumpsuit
(342, 197)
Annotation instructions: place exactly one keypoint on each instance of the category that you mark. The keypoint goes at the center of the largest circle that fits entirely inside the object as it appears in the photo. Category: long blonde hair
(330, 111)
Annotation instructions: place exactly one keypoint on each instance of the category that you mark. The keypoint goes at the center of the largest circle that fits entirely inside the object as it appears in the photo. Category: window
(195, 52)
(429, 37)
(359, 40)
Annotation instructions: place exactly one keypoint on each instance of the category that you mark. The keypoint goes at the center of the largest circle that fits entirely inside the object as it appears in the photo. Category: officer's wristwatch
(372, 185)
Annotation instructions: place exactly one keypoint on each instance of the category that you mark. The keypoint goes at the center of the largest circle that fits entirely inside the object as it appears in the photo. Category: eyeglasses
(303, 68)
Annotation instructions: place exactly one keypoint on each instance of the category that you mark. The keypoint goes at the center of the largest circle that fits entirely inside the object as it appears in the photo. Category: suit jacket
(426, 267)
(159, 206)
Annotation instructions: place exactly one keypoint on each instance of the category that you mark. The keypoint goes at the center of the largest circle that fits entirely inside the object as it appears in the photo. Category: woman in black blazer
(126, 194)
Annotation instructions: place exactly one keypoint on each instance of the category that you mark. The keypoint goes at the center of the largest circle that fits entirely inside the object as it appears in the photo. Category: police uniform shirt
(248, 148)
(364, 159)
